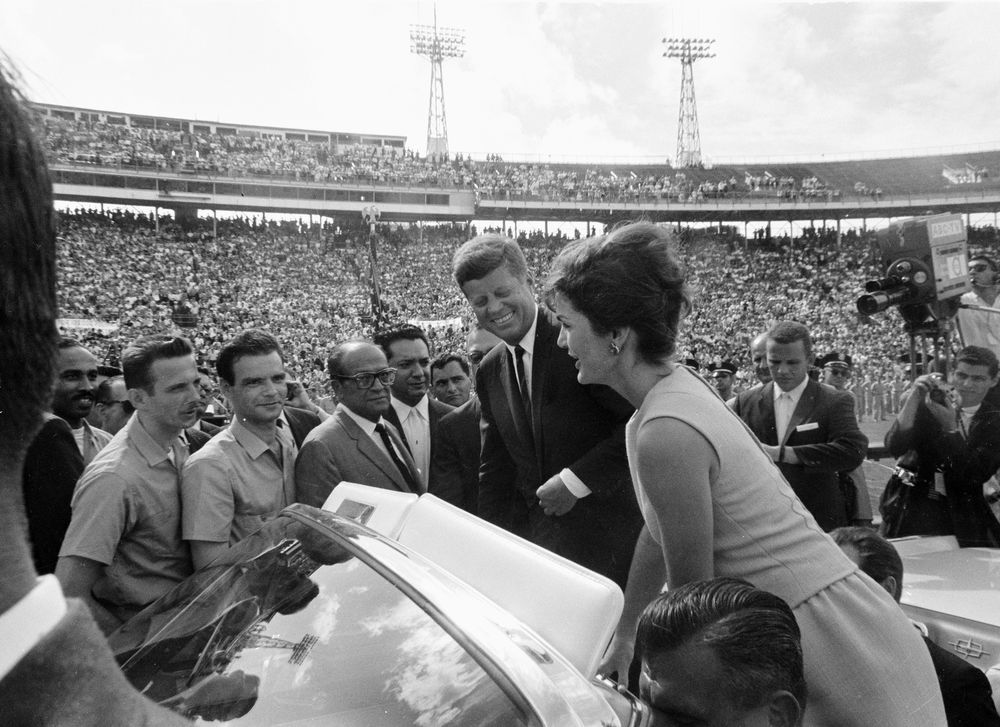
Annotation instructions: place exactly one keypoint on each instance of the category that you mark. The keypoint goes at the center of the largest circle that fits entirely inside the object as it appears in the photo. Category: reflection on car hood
(963, 582)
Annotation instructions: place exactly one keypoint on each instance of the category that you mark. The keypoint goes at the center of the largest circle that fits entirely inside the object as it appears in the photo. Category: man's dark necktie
(400, 464)
(522, 385)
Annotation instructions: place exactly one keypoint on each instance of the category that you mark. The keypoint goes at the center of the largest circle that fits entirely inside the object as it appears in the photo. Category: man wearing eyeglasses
(113, 407)
(356, 444)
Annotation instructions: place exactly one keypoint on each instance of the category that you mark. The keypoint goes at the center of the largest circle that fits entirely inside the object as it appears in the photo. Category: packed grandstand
(124, 273)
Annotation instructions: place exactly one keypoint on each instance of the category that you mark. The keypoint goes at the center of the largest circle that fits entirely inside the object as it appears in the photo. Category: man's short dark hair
(139, 356)
(786, 332)
(483, 254)
(753, 634)
(28, 334)
(385, 339)
(66, 343)
(979, 356)
(878, 558)
(252, 342)
(446, 358)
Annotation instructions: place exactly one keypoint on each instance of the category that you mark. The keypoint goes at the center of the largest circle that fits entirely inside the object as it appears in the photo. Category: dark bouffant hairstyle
(630, 278)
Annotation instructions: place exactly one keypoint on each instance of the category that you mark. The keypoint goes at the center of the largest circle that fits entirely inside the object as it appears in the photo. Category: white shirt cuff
(30, 619)
(574, 484)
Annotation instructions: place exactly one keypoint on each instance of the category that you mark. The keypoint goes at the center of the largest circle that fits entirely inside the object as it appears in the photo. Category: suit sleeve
(316, 473)
(446, 466)
(604, 467)
(497, 496)
(846, 444)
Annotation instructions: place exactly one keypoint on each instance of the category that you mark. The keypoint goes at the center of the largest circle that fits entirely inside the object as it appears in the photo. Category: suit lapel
(765, 415)
(803, 410)
(370, 451)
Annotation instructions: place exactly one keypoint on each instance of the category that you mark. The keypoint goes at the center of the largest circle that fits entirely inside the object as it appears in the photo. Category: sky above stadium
(561, 80)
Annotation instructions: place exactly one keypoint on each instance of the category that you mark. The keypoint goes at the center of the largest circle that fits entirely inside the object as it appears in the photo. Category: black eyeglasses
(366, 379)
(476, 357)
(838, 372)
(979, 268)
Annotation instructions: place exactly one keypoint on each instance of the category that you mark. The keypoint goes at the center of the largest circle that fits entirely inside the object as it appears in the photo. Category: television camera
(926, 271)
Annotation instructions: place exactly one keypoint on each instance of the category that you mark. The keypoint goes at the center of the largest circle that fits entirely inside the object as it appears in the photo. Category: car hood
(963, 582)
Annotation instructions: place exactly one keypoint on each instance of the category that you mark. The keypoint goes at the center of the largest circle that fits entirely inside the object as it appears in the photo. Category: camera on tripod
(925, 268)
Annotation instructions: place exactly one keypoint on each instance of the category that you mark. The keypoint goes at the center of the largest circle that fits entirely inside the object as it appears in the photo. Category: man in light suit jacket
(553, 465)
(413, 412)
(808, 429)
(356, 444)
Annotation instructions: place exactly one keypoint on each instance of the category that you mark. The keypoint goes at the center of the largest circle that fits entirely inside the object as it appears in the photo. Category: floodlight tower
(437, 44)
(688, 139)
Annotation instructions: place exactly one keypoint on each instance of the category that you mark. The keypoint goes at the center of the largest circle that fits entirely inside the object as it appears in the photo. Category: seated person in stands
(721, 652)
(967, 693)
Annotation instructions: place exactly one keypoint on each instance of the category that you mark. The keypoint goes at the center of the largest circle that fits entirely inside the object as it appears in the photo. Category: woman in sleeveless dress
(714, 504)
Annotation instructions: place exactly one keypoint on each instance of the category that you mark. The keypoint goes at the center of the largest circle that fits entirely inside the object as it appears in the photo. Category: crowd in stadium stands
(311, 287)
(105, 144)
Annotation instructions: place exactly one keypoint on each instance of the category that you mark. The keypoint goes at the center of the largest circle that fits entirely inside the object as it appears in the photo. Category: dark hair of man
(66, 343)
(630, 278)
(753, 633)
(446, 358)
(252, 342)
(28, 334)
(786, 332)
(385, 339)
(483, 254)
(878, 557)
(139, 356)
(103, 394)
(979, 356)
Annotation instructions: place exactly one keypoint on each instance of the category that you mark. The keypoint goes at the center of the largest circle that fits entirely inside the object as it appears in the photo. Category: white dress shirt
(784, 406)
(416, 422)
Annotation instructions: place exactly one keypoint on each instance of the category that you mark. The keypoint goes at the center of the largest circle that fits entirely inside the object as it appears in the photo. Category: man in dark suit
(356, 444)
(57, 667)
(809, 429)
(455, 465)
(553, 464)
(414, 414)
(968, 697)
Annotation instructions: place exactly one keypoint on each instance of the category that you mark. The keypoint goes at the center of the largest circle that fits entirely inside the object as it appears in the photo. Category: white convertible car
(382, 609)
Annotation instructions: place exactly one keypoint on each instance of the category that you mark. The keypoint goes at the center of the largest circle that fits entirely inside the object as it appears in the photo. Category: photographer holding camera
(947, 438)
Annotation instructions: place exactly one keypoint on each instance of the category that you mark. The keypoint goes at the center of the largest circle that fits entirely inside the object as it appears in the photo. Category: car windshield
(293, 628)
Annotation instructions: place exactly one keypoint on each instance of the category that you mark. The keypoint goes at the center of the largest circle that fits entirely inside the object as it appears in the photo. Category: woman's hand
(617, 658)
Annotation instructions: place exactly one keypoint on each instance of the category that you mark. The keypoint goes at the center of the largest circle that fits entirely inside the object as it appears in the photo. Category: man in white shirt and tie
(413, 412)
(809, 429)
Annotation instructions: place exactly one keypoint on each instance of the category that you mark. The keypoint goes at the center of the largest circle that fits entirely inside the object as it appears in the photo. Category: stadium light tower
(688, 139)
(437, 44)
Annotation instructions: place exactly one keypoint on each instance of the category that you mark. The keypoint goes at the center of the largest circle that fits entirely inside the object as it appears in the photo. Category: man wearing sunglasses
(356, 444)
(981, 327)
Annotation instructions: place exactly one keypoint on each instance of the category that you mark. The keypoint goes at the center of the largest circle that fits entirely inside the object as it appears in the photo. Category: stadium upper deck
(175, 162)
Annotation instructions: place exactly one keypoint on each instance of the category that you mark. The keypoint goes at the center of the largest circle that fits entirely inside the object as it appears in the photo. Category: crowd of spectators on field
(100, 143)
(311, 285)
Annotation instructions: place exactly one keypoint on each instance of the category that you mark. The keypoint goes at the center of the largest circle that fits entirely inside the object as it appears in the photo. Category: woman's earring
(615, 350)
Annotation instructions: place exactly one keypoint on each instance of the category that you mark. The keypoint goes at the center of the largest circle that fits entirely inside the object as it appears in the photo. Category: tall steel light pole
(688, 139)
(437, 44)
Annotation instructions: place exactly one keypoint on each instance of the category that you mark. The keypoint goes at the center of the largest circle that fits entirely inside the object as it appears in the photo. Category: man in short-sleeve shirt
(245, 475)
(123, 548)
